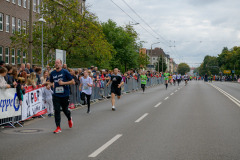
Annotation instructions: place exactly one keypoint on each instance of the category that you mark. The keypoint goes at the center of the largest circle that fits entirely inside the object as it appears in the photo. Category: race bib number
(59, 90)
(143, 80)
(85, 87)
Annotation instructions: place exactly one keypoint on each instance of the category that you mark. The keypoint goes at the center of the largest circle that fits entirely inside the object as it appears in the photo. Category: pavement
(199, 121)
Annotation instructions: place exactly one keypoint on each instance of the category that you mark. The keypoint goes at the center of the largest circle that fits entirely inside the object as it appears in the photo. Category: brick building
(14, 16)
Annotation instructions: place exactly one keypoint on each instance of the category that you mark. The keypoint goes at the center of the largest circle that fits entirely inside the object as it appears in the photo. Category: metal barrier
(11, 121)
(101, 91)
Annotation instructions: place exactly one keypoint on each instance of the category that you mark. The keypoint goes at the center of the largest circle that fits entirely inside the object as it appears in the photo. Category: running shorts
(116, 91)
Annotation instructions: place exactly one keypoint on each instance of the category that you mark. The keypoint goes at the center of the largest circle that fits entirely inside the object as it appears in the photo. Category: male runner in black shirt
(117, 82)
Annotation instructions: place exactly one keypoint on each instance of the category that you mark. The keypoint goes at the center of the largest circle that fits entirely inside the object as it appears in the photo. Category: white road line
(166, 98)
(236, 101)
(141, 117)
(158, 104)
(178, 88)
(176, 91)
(106, 145)
(171, 93)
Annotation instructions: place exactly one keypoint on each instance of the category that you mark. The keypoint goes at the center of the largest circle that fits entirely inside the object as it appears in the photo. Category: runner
(174, 78)
(87, 84)
(185, 78)
(179, 78)
(61, 79)
(143, 78)
(117, 82)
(166, 78)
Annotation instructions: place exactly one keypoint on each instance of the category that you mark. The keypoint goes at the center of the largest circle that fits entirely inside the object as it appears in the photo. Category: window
(19, 57)
(28, 4)
(19, 2)
(25, 26)
(1, 22)
(153, 58)
(24, 3)
(7, 23)
(14, 1)
(13, 24)
(7, 55)
(19, 25)
(38, 6)
(1, 53)
(24, 57)
(34, 5)
(13, 56)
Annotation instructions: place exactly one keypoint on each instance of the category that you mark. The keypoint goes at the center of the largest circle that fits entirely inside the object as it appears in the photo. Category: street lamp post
(43, 21)
(151, 50)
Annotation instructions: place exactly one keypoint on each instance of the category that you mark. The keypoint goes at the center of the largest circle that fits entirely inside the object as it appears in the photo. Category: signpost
(61, 54)
(227, 71)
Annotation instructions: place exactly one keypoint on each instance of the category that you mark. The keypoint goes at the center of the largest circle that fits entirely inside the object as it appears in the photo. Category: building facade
(14, 16)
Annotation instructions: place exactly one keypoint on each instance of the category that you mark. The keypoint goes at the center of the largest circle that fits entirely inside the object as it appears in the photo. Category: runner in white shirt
(174, 78)
(185, 77)
(179, 76)
(86, 84)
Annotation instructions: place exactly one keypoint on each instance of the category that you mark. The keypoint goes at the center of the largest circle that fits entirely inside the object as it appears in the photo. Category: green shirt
(166, 76)
(143, 79)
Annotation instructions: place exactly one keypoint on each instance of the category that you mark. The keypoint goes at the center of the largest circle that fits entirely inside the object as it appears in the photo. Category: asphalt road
(193, 122)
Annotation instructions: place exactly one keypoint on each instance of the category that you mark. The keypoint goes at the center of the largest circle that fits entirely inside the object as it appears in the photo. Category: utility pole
(162, 62)
(30, 34)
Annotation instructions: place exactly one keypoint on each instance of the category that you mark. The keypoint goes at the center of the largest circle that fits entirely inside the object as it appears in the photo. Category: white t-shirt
(174, 77)
(85, 88)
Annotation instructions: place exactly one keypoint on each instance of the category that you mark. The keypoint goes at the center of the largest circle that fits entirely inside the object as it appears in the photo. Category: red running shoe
(70, 123)
(58, 130)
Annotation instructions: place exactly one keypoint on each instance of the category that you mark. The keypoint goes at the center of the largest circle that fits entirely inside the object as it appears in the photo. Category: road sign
(227, 71)
(233, 71)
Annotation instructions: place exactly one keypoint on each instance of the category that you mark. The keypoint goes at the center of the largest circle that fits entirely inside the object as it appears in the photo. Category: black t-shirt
(116, 80)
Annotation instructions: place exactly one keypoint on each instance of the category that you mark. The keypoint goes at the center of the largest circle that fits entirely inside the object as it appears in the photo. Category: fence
(11, 112)
(101, 91)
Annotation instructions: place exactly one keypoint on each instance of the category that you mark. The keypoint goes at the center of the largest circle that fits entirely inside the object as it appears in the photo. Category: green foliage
(65, 28)
(124, 41)
(161, 61)
(227, 60)
(183, 68)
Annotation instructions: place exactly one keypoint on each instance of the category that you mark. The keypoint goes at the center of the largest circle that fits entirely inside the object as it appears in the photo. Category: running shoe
(58, 130)
(113, 108)
(88, 111)
(70, 123)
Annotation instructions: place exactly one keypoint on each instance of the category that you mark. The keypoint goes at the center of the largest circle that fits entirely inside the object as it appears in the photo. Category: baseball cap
(2, 62)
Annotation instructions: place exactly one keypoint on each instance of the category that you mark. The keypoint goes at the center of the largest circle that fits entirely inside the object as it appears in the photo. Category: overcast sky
(195, 27)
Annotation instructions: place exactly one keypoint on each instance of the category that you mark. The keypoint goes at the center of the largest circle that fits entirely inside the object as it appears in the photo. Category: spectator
(22, 70)
(20, 89)
(49, 69)
(45, 77)
(28, 66)
(3, 83)
(38, 72)
(9, 78)
(47, 97)
(14, 74)
(64, 66)
(92, 68)
(31, 80)
(34, 68)
(2, 63)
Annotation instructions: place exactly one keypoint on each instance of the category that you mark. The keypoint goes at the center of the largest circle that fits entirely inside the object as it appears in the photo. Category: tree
(143, 60)
(183, 68)
(124, 41)
(160, 65)
(80, 35)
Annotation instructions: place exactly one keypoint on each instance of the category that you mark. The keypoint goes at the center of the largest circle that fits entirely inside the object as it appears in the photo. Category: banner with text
(9, 103)
(32, 103)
